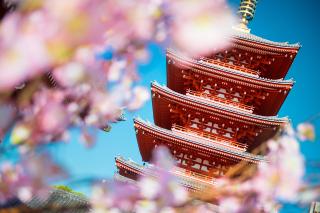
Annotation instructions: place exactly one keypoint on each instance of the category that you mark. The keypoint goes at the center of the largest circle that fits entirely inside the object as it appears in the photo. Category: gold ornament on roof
(246, 11)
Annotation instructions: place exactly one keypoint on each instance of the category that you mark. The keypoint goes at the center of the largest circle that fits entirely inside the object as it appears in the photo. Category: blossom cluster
(280, 179)
(73, 63)
(29, 178)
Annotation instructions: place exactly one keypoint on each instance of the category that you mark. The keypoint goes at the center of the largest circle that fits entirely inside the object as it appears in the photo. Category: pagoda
(215, 110)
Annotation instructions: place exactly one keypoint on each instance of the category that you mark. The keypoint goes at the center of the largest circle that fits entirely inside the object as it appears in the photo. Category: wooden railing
(225, 93)
(220, 100)
(231, 66)
(228, 143)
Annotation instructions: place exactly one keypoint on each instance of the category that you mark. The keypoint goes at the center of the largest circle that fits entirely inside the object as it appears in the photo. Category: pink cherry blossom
(40, 171)
(10, 177)
(208, 26)
(306, 131)
(282, 176)
(70, 74)
(28, 179)
(139, 97)
(229, 205)
(23, 51)
(108, 196)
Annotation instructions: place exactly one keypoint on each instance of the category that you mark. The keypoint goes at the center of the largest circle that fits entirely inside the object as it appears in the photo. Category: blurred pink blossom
(10, 179)
(114, 195)
(70, 74)
(23, 52)
(29, 178)
(282, 176)
(41, 171)
(52, 119)
(116, 69)
(201, 28)
(164, 185)
(139, 97)
(306, 131)
(229, 205)
(159, 191)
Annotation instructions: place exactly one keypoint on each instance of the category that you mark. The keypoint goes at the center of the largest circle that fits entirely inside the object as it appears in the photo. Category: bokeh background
(284, 20)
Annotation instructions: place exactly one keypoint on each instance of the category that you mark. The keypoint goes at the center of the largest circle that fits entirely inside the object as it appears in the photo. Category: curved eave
(255, 42)
(216, 108)
(132, 166)
(228, 74)
(139, 170)
(210, 148)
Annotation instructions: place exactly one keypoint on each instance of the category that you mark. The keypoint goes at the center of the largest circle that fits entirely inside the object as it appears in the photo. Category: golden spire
(246, 11)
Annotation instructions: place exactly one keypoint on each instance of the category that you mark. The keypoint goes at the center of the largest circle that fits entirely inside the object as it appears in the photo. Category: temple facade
(217, 109)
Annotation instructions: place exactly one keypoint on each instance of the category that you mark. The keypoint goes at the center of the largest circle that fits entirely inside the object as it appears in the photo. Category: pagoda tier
(130, 171)
(211, 157)
(267, 58)
(212, 118)
(226, 85)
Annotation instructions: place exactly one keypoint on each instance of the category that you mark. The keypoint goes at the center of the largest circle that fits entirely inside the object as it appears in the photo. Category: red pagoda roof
(148, 133)
(228, 74)
(272, 59)
(261, 43)
(212, 108)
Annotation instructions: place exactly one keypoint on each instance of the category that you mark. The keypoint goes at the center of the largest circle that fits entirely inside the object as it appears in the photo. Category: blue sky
(285, 20)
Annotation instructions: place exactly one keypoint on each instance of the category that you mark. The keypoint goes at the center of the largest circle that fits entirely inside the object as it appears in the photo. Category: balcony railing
(227, 143)
(231, 66)
(223, 101)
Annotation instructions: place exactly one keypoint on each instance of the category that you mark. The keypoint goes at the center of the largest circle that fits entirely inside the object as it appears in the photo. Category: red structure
(216, 109)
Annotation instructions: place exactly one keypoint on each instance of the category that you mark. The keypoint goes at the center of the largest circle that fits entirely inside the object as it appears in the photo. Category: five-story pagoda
(216, 109)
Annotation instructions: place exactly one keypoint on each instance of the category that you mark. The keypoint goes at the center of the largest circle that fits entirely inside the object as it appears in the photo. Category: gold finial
(246, 10)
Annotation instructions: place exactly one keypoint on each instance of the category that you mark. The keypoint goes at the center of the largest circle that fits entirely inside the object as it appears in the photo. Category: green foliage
(68, 189)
